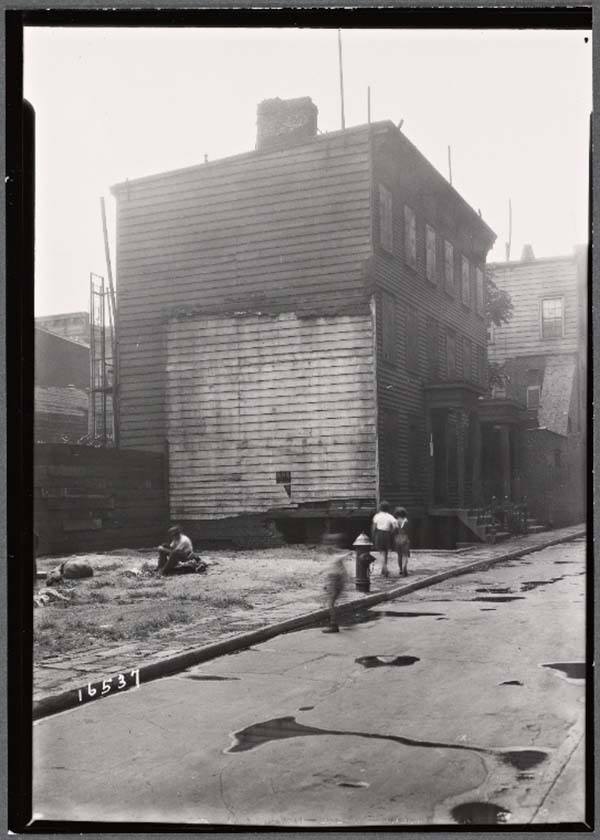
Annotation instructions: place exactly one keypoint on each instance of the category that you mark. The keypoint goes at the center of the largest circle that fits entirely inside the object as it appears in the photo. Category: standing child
(402, 542)
(383, 529)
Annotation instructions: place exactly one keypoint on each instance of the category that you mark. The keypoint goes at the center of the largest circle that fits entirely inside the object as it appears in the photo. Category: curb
(55, 703)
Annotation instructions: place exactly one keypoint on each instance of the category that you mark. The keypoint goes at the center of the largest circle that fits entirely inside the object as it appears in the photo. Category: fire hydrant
(362, 545)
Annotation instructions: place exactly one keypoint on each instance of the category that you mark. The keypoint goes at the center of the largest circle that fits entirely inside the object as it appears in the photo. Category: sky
(113, 104)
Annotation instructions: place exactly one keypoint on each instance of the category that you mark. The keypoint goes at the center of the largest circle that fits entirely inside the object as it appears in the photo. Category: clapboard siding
(528, 283)
(287, 229)
(249, 396)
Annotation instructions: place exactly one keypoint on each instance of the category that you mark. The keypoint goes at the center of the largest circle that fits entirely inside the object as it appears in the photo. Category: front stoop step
(536, 529)
(501, 536)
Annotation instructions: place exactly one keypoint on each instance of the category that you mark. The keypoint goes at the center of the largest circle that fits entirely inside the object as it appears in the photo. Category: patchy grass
(118, 605)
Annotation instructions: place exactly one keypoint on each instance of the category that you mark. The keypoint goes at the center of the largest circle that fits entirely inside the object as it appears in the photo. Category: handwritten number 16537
(101, 689)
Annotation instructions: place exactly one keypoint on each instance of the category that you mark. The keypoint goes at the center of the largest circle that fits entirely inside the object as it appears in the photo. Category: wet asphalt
(459, 704)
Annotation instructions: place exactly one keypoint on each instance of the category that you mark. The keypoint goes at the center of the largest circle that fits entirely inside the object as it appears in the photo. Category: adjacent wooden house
(302, 328)
(542, 352)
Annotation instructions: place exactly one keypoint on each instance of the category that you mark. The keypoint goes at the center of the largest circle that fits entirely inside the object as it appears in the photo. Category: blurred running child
(401, 540)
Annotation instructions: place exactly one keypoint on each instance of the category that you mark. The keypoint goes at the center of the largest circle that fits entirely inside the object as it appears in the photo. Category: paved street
(434, 708)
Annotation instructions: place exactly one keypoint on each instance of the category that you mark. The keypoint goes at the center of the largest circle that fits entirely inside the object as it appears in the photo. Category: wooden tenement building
(302, 327)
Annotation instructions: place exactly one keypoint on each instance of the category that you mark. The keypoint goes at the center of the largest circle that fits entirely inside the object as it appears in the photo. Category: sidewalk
(61, 673)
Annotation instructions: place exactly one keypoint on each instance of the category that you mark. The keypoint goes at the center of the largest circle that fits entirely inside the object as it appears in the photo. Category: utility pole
(450, 164)
(508, 244)
(341, 77)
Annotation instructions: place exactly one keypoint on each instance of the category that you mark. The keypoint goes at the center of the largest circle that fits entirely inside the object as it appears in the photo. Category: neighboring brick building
(61, 388)
(303, 327)
(542, 352)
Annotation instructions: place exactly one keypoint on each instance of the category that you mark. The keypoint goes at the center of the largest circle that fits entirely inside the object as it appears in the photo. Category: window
(451, 353)
(534, 386)
(390, 456)
(491, 335)
(552, 318)
(467, 360)
(479, 291)
(388, 326)
(412, 338)
(466, 282)
(386, 237)
(410, 237)
(449, 267)
(415, 471)
(430, 254)
(533, 396)
(432, 348)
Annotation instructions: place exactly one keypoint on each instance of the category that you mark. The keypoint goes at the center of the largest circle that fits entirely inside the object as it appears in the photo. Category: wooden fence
(88, 499)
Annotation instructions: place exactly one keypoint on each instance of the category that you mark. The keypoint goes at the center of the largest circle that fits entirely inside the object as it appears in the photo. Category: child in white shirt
(383, 528)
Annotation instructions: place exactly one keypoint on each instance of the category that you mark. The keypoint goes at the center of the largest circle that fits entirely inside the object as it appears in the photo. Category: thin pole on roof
(450, 164)
(508, 244)
(341, 76)
(369, 104)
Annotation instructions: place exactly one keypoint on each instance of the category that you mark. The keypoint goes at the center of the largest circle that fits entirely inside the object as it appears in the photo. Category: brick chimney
(285, 122)
(527, 254)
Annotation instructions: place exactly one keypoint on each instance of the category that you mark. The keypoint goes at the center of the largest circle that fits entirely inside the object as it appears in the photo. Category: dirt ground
(125, 600)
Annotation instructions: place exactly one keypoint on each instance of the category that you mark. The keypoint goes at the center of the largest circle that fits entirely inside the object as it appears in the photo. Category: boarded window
(415, 442)
(412, 338)
(552, 318)
(388, 326)
(451, 353)
(467, 359)
(386, 236)
(479, 290)
(449, 267)
(533, 396)
(466, 282)
(533, 379)
(389, 464)
(410, 237)
(432, 348)
(430, 254)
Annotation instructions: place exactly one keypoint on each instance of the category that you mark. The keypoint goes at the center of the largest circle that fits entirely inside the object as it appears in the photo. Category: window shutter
(410, 237)
(386, 237)
(451, 354)
(479, 290)
(412, 338)
(466, 282)
(467, 360)
(449, 267)
(430, 254)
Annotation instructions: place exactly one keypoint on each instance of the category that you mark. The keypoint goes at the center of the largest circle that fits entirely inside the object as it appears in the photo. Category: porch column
(505, 460)
(460, 457)
(476, 444)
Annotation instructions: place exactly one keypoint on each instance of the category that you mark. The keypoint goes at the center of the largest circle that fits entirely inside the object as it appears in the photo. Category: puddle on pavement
(379, 661)
(443, 618)
(499, 590)
(570, 670)
(500, 599)
(305, 708)
(279, 729)
(207, 677)
(528, 585)
(565, 562)
(480, 813)
(365, 616)
(511, 682)
(487, 609)
(522, 759)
